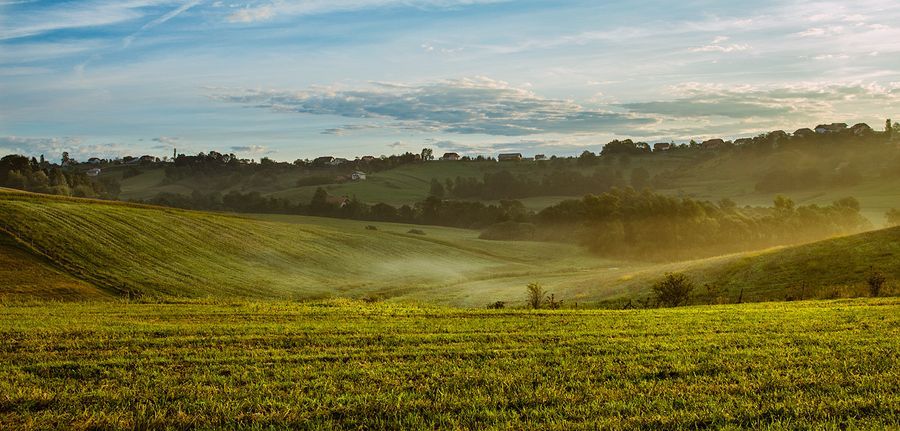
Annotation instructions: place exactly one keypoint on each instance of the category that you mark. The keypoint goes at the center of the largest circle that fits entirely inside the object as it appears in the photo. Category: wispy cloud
(315, 7)
(251, 149)
(65, 15)
(160, 20)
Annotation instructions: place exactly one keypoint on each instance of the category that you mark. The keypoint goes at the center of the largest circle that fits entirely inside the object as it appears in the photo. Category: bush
(535, 295)
(416, 232)
(370, 227)
(499, 305)
(876, 283)
(674, 289)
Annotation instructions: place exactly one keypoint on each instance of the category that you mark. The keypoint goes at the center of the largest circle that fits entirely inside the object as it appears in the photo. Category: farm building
(450, 156)
(358, 176)
(861, 129)
(830, 128)
(712, 144)
(804, 132)
(509, 157)
(662, 146)
(324, 160)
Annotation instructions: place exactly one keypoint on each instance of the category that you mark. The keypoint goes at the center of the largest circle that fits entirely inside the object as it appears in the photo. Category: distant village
(626, 146)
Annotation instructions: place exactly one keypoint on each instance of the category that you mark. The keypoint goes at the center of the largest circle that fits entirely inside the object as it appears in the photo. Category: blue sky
(298, 79)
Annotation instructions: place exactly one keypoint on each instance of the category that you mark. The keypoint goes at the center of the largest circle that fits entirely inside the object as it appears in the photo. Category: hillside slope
(24, 276)
(148, 251)
(133, 250)
(810, 268)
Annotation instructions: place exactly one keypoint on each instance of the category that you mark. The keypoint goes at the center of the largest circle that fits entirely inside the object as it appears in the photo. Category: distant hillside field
(77, 248)
(871, 175)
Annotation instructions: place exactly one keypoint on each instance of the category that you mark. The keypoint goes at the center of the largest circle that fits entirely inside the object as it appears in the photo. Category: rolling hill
(697, 174)
(77, 248)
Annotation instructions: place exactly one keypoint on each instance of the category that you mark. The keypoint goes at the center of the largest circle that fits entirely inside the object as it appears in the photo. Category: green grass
(89, 248)
(349, 365)
(700, 175)
(132, 249)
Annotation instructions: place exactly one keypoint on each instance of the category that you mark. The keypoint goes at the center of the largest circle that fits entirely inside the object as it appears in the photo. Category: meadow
(67, 248)
(343, 364)
(695, 174)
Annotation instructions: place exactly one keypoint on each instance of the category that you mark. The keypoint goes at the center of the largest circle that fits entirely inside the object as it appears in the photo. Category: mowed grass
(349, 365)
(65, 248)
(145, 251)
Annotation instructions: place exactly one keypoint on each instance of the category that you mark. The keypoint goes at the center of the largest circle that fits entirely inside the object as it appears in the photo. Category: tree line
(41, 176)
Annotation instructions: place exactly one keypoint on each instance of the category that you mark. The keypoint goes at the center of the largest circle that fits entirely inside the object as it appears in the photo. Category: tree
(427, 154)
(319, 202)
(888, 127)
(437, 190)
(892, 216)
(876, 282)
(65, 158)
(535, 295)
(674, 289)
(587, 158)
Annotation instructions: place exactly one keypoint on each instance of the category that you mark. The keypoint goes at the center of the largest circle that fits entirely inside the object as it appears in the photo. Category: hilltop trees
(427, 154)
(22, 173)
(647, 224)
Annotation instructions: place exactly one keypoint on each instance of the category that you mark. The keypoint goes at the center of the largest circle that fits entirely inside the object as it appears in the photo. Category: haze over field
(297, 79)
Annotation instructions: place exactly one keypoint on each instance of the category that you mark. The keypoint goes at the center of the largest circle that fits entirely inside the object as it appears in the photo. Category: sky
(300, 79)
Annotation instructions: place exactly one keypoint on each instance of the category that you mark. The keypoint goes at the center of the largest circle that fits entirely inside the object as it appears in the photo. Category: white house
(358, 176)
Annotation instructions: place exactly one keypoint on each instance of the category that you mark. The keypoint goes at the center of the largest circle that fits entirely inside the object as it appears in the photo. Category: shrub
(498, 305)
(370, 227)
(552, 303)
(876, 283)
(535, 295)
(416, 232)
(674, 289)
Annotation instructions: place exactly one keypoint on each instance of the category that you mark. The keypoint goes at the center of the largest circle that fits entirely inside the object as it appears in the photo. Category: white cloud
(52, 148)
(721, 48)
(256, 150)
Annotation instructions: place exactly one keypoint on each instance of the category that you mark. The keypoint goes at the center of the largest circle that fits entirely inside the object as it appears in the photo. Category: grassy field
(131, 249)
(350, 365)
(693, 174)
(66, 248)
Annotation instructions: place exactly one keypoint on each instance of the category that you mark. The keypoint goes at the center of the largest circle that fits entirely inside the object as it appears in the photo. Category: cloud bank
(463, 106)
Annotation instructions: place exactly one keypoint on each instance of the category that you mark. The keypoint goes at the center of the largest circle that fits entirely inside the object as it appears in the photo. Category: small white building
(93, 172)
(358, 176)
